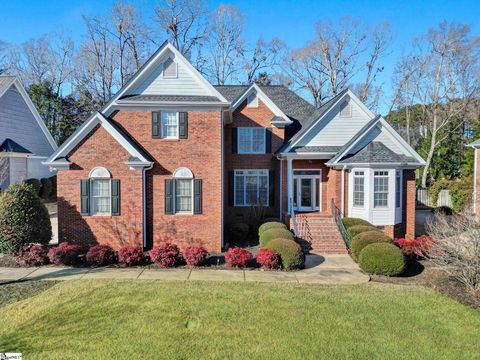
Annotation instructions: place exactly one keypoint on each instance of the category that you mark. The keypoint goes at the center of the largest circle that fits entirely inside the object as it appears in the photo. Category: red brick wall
(407, 227)
(201, 153)
(100, 149)
(251, 117)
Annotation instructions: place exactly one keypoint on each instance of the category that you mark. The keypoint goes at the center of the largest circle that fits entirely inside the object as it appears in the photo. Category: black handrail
(337, 215)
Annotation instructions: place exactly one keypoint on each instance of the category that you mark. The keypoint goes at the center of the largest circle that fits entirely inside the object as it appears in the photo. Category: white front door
(306, 190)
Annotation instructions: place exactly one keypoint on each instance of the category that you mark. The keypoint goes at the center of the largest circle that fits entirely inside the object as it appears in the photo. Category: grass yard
(150, 320)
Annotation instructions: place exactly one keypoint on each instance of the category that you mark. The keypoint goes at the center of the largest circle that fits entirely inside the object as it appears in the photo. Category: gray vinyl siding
(4, 173)
(18, 123)
(18, 169)
(335, 130)
(153, 83)
(376, 134)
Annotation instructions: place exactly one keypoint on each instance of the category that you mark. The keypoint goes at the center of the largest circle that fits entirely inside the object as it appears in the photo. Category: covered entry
(307, 192)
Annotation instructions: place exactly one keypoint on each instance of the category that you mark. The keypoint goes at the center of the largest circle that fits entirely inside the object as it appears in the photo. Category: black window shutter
(271, 188)
(115, 197)
(234, 141)
(197, 196)
(231, 188)
(156, 124)
(85, 197)
(268, 141)
(183, 125)
(168, 196)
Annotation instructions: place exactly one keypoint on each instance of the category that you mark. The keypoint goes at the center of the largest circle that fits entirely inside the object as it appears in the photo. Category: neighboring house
(476, 177)
(25, 141)
(172, 158)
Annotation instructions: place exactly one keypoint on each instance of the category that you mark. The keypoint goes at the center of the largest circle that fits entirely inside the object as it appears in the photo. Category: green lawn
(147, 319)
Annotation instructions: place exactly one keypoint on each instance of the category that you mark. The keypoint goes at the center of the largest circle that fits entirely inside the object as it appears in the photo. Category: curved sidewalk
(328, 269)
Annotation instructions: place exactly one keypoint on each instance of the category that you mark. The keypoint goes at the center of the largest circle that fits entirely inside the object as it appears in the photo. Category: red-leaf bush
(237, 256)
(194, 255)
(419, 246)
(131, 255)
(64, 254)
(100, 255)
(33, 255)
(165, 255)
(268, 258)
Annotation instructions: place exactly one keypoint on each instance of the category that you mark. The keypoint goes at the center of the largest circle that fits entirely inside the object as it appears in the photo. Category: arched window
(183, 191)
(101, 192)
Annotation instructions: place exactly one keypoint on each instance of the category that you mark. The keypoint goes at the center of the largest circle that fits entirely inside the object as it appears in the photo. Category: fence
(444, 198)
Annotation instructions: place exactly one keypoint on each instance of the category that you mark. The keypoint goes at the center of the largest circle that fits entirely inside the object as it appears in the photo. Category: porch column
(289, 184)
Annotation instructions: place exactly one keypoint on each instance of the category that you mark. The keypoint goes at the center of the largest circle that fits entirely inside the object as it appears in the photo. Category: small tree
(456, 248)
(24, 219)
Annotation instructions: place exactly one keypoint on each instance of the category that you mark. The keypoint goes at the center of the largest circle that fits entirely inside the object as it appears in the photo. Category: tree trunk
(428, 162)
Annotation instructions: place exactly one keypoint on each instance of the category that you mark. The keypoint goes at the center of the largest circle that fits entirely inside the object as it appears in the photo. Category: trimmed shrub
(348, 222)
(33, 255)
(290, 253)
(271, 219)
(24, 219)
(131, 255)
(36, 185)
(239, 232)
(236, 256)
(366, 238)
(46, 191)
(358, 229)
(419, 246)
(194, 255)
(100, 255)
(382, 259)
(165, 255)
(275, 233)
(64, 254)
(270, 225)
(268, 258)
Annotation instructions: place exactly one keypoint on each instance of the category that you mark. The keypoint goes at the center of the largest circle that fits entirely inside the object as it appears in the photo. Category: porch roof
(315, 149)
(376, 153)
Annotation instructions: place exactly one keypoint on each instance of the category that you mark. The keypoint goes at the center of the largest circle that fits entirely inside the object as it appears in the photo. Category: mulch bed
(425, 273)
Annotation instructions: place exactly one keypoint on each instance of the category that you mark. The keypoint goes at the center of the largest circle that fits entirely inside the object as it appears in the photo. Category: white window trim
(388, 188)
(252, 100)
(364, 188)
(316, 196)
(235, 204)
(176, 69)
(162, 136)
(264, 148)
(175, 212)
(100, 173)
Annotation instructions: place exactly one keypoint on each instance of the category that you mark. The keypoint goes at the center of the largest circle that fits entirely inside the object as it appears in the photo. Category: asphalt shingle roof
(316, 149)
(171, 98)
(375, 152)
(11, 146)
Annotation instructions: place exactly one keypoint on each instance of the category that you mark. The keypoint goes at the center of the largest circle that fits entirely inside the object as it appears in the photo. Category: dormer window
(345, 110)
(169, 68)
(252, 100)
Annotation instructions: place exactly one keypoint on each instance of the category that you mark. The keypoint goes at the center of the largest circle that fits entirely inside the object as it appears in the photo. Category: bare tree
(224, 43)
(184, 21)
(444, 74)
(456, 248)
(264, 56)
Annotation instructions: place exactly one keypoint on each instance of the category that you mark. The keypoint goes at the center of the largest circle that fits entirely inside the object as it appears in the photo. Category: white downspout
(289, 184)
(281, 189)
(342, 205)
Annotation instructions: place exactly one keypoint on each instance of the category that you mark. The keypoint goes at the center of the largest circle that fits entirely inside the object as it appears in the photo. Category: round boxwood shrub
(290, 253)
(366, 238)
(382, 259)
(270, 225)
(348, 222)
(24, 219)
(36, 185)
(46, 191)
(275, 233)
(358, 229)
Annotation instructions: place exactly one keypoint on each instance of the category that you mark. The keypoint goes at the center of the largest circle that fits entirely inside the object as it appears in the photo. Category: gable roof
(169, 98)
(6, 82)
(149, 64)
(376, 152)
(137, 154)
(11, 146)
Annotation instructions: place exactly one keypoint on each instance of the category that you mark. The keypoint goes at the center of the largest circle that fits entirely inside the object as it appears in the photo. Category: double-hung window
(251, 140)
(169, 125)
(380, 189)
(358, 188)
(251, 187)
(183, 195)
(101, 198)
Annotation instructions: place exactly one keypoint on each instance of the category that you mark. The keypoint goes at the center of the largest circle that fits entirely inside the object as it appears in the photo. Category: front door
(307, 190)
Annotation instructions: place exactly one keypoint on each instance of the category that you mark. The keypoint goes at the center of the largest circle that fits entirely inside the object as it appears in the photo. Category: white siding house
(24, 139)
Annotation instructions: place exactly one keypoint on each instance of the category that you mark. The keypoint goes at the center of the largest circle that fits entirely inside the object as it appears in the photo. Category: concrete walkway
(328, 269)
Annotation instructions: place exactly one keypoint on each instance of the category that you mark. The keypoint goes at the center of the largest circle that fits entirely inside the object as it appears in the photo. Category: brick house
(172, 158)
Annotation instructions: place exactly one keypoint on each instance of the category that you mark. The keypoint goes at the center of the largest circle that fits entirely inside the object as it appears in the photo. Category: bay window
(380, 189)
(358, 188)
